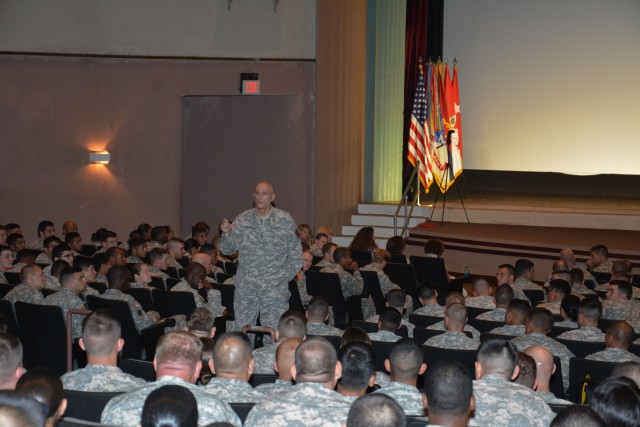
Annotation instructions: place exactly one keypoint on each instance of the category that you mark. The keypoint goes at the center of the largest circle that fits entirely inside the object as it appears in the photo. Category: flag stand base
(447, 171)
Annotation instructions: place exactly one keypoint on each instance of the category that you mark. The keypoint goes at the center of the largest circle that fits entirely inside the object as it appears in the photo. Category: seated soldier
(558, 289)
(45, 256)
(285, 359)
(396, 298)
(106, 238)
(599, 260)
(301, 278)
(619, 304)
(170, 405)
(45, 229)
(291, 325)
(515, 318)
(45, 387)
(116, 255)
(351, 285)
(318, 244)
(6, 262)
(379, 260)
(428, 297)
(194, 279)
(102, 340)
(569, 311)
(74, 241)
(448, 393)
(73, 284)
(628, 369)
(577, 283)
(158, 262)
(504, 295)
(506, 275)
(317, 313)
(200, 323)
(312, 401)
(536, 333)
(16, 242)
(17, 409)
(589, 314)
(454, 320)
(405, 363)
(137, 250)
(388, 323)
(10, 361)
(177, 362)
(232, 364)
(327, 255)
(102, 264)
(618, 340)
(141, 274)
(482, 295)
(175, 248)
(376, 410)
(358, 370)
(212, 252)
(159, 237)
(524, 270)
(500, 402)
(545, 367)
(455, 298)
(31, 282)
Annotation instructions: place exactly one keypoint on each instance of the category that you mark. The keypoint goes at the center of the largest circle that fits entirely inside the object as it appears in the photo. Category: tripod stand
(447, 173)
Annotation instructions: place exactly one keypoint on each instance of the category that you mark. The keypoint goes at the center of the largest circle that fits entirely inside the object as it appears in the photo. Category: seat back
(98, 286)
(328, 285)
(295, 302)
(169, 303)
(372, 288)
(473, 312)
(257, 379)
(172, 272)
(361, 257)
(584, 374)
(404, 275)
(487, 336)
(382, 351)
(85, 405)
(556, 385)
(535, 296)
(227, 293)
(132, 343)
(485, 325)
(150, 336)
(221, 277)
(7, 310)
(557, 408)
(432, 270)
(424, 321)
(601, 277)
(12, 277)
(466, 357)
(242, 409)
(420, 335)
(44, 336)
(138, 368)
(582, 348)
(158, 283)
(4, 289)
(143, 296)
(557, 330)
(170, 283)
(365, 326)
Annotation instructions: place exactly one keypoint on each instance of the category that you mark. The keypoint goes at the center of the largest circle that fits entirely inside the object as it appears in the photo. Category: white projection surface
(548, 85)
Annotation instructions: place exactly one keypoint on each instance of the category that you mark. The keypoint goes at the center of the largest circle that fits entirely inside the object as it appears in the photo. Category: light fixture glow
(99, 157)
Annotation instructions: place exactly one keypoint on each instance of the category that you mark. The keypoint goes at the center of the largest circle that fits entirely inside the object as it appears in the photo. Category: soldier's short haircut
(315, 360)
(135, 268)
(591, 308)
(321, 235)
(380, 255)
(621, 332)
(326, 248)
(67, 274)
(600, 250)
(561, 275)
(629, 369)
(58, 250)
(318, 307)
(178, 347)
(174, 243)
(170, 405)
(156, 232)
(623, 287)
(20, 410)
(209, 249)
(232, 352)
(292, 324)
(523, 266)
(541, 319)
(354, 335)
(510, 268)
(571, 307)
(395, 245)
(405, 359)
(454, 298)
(102, 235)
(10, 356)
(457, 314)
(617, 401)
(448, 387)
(559, 266)
(376, 410)
(194, 274)
(197, 230)
(136, 242)
(4, 248)
(621, 266)
(396, 298)
(119, 277)
(13, 238)
(27, 271)
(112, 252)
(504, 294)
(528, 370)
(82, 262)
(340, 253)
(44, 386)
(577, 276)
(100, 332)
(70, 237)
(48, 240)
(390, 319)
(99, 259)
(42, 225)
(577, 416)
(358, 364)
(426, 291)
(57, 267)
(156, 254)
(562, 286)
(498, 356)
(201, 319)
(12, 227)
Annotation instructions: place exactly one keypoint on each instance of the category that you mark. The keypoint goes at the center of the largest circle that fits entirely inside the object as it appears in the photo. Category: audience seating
(582, 348)
(87, 406)
(328, 285)
(433, 270)
(590, 284)
(172, 272)
(170, 283)
(488, 336)
(584, 374)
(485, 325)
(404, 275)
(535, 296)
(473, 312)
(227, 293)
(420, 335)
(424, 321)
(143, 296)
(5, 288)
(555, 385)
(557, 408)
(557, 330)
(98, 286)
(399, 259)
(7, 310)
(382, 350)
(12, 277)
(369, 327)
(295, 302)
(73, 422)
(170, 303)
(466, 357)
(601, 278)
(242, 409)
(372, 288)
(158, 283)
(138, 368)
(316, 259)
(257, 379)
(222, 277)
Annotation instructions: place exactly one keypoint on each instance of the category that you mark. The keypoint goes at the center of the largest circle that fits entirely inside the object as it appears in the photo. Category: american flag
(419, 134)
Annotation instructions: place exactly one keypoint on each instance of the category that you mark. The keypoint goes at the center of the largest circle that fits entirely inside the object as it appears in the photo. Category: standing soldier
(269, 257)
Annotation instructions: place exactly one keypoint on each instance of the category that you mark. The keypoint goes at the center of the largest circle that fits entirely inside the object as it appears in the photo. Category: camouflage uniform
(156, 272)
(24, 293)
(550, 398)
(385, 283)
(43, 259)
(467, 328)
(581, 290)
(384, 336)
(233, 391)
(101, 278)
(100, 378)
(276, 387)
(352, 286)
(407, 396)
(3, 279)
(503, 403)
(605, 267)
(154, 245)
(315, 251)
(264, 359)
(433, 310)
(495, 315)
(525, 284)
(511, 330)
(36, 243)
(553, 307)
(621, 310)
(126, 409)
(382, 379)
(324, 263)
(66, 299)
(618, 355)
(214, 299)
(484, 301)
(556, 348)
(304, 405)
(519, 294)
(134, 260)
(319, 328)
(567, 324)
(140, 318)
(135, 285)
(270, 257)
(585, 333)
(301, 282)
(410, 326)
(453, 340)
(172, 262)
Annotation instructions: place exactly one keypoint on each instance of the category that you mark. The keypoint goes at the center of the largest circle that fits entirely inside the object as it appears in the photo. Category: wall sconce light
(99, 157)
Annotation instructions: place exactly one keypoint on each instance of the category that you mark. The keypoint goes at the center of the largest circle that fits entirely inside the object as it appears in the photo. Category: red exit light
(251, 87)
